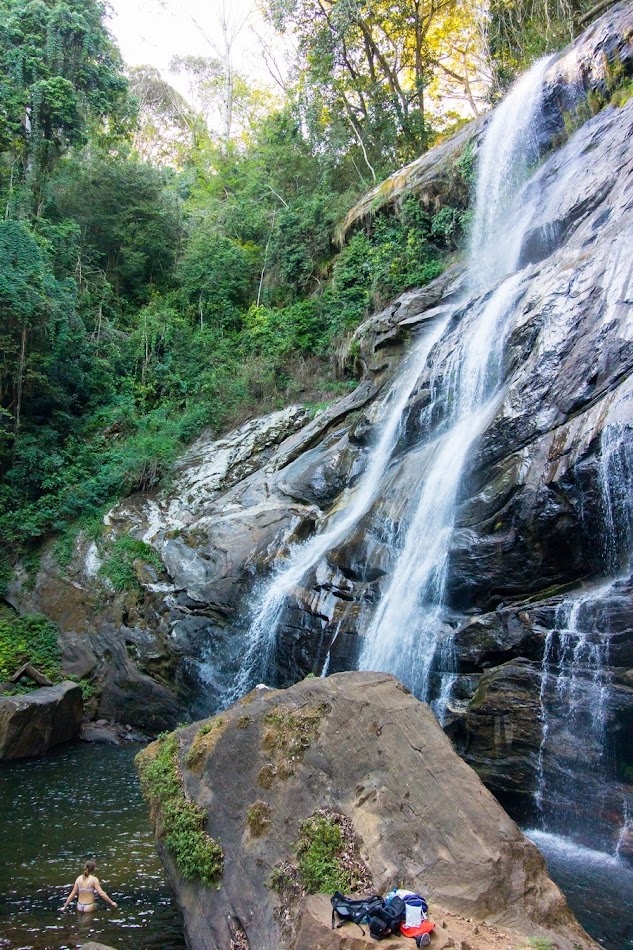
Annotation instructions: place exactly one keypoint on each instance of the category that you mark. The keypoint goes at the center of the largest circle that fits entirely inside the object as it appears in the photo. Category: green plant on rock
(87, 689)
(540, 943)
(178, 821)
(319, 849)
(118, 566)
(30, 638)
(204, 742)
(325, 859)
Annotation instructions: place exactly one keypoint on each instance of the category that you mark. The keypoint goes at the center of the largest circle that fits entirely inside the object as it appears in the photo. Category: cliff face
(538, 599)
(357, 752)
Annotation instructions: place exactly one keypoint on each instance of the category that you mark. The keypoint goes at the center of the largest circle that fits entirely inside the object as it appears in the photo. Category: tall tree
(61, 77)
(371, 63)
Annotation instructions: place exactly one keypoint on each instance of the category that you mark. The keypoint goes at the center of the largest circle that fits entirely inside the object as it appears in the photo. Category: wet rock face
(32, 724)
(356, 745)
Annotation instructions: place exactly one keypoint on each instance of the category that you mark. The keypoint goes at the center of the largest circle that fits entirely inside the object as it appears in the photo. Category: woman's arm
(72, 894)
(100, 891)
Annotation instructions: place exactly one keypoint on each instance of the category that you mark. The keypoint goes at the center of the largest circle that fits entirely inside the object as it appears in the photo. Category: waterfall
(407, 635)
(575, 689)
(411, 608)
(510, 149)
(407, 627)
(259, 657)
(576, 682)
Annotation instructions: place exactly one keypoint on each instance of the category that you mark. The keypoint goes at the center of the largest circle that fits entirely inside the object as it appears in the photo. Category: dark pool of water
(598, 888)
(57, 811)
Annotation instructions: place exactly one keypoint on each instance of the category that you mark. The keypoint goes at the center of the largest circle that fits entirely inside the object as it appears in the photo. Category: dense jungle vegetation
(160, 272)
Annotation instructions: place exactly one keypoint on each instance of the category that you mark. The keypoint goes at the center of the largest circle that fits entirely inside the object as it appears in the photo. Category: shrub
(30, 638)
(118, 567)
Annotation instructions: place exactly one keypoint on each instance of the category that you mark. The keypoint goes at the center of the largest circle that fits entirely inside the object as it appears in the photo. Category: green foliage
(322, 860)
(179, 822)
(140, 304)
(29, 638)
(88, 691)
(118, 567)
(540, 943)
(319, 849)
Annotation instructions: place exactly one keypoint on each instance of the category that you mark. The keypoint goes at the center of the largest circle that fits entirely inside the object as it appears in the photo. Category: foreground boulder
(32, 724)
(357, 761)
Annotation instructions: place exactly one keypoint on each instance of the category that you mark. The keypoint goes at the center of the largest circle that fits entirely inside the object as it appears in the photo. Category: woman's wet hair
(90, 868)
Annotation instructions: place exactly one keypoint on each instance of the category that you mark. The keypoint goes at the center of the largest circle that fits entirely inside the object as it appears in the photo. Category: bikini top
(85, 888)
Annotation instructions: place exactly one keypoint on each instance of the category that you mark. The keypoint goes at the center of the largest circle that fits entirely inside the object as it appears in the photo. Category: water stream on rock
(259, 658)
(576, 682)
(407, 635)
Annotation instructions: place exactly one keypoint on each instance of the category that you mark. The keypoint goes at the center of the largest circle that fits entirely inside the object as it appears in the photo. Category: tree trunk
(20, 382)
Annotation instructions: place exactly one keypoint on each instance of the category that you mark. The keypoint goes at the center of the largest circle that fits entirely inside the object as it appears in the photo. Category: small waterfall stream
(259, 657)
(576, 682)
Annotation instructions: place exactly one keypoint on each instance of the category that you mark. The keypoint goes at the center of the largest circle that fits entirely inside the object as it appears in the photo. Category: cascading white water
(406, 633)
(469, 399)
(262, 636)
(575, 665)
(509, 150)
(575, 681)
(407, 624)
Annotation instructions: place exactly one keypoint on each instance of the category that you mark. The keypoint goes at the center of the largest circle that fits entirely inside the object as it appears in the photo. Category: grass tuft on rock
(203, 744)
(288, 733)
(326, 859)
(119, 565)
(178, 822)
(319, 849)
(258, 818)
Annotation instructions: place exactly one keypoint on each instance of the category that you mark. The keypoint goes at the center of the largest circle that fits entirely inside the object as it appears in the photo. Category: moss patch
(204, 743)
(326, 859)
(258, 818)
(177, 821)
(288, 731)
(266, 776)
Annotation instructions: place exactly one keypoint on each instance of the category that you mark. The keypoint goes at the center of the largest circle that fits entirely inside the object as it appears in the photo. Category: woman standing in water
(85, 888)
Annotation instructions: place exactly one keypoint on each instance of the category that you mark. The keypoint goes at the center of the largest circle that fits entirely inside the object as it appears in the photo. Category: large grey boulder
(32, 724)
(356, 745)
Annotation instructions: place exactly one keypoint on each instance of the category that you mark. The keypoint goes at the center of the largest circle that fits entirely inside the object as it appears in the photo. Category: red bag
(424, 928)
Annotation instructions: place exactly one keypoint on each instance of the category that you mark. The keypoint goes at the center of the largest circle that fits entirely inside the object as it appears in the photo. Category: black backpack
(386, 919)
(354, 911)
